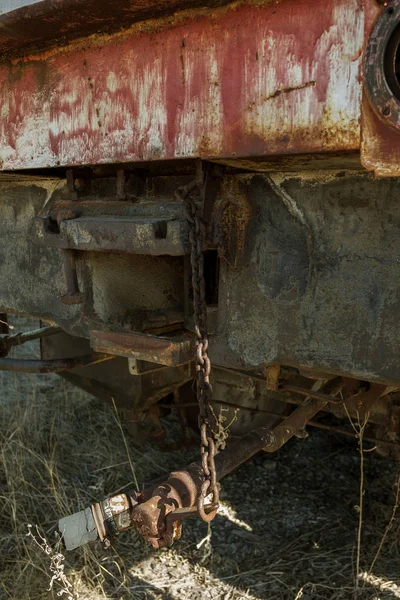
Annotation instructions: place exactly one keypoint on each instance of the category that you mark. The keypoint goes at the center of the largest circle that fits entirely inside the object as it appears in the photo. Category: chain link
(207, 419)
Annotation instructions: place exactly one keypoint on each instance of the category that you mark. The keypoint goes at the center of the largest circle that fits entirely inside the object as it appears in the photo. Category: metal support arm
(156, 513)
(57, 365)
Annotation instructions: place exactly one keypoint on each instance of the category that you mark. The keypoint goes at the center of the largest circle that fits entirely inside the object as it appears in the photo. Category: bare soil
(287, 528)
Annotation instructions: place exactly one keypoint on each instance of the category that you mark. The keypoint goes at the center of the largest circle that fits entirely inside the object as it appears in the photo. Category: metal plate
(171, 352)
(208, 84)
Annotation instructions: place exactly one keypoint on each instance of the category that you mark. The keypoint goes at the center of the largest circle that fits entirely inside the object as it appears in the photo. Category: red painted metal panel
(243, 80)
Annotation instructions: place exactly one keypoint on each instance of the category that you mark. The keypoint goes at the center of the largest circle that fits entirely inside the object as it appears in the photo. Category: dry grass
(287, 529)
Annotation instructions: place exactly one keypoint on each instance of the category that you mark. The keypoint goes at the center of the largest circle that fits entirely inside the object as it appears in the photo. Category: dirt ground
(287, 528)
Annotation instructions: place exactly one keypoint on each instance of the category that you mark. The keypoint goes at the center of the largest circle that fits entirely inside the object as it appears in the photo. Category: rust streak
(287, 90)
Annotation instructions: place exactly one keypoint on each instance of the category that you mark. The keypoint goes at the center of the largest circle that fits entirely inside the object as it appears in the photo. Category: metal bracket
(171, 351)
(73, 295)
(212, 177)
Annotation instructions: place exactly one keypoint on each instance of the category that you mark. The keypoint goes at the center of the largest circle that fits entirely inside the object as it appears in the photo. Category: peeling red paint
(205, 86)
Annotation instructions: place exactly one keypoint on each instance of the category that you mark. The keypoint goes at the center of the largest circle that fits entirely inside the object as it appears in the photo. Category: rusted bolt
(73, 295)
(386, 111)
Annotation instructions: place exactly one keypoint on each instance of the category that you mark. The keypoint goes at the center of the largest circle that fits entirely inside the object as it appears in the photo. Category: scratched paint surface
(246, 80)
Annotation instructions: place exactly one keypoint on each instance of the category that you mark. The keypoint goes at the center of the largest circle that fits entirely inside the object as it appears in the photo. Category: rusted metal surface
(73, 295)
(354, 395)
(52, 366)
(106, 100)
(309, 393)
(316, 424)
(380, 77)
(27, 23)
(132, 224)
(298, 419)
(156, 349)
(99, 522)
(139, 367)
(134, 396)
(151, 236)
(209, 445)
(366, 399)
(158, 434)
(380, 406)
(380, 143)
(359, 397)
(151, 511)
(272, 375)
(181, 488)
(157, 512)
(231, 219)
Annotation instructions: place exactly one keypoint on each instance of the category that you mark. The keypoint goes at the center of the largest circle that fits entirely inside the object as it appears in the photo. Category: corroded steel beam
(380, 147)
(243, 80)
(170, 351)
(24, 23)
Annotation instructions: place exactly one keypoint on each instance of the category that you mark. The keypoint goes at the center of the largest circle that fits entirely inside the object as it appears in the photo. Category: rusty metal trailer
(189, 183)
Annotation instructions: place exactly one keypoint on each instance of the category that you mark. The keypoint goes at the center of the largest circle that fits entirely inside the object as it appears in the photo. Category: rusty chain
(207, 419)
